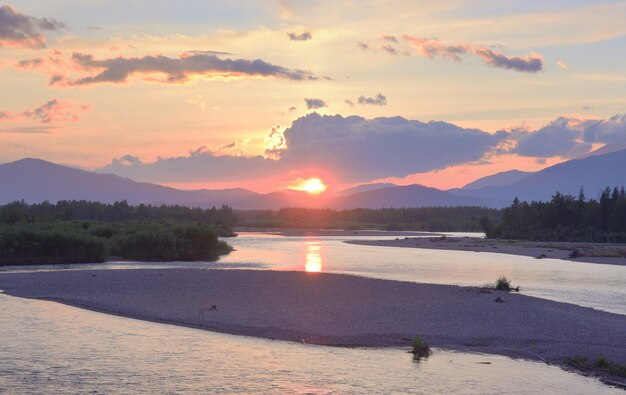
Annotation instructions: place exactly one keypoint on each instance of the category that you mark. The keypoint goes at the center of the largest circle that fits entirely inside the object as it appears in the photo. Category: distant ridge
(503, 178)
(36, 180)
(593, 173)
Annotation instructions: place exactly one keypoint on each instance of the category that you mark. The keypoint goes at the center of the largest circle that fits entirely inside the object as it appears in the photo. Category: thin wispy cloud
(157, 68)
(433, 48)
(19, 30)
(562, 64)
(53, 111)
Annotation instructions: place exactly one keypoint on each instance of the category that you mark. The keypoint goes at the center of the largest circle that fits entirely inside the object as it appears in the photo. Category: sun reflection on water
(313, 256)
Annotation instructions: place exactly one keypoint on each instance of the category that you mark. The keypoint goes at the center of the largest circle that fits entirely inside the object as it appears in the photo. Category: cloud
(609, 131)
(349, 102)
(313, 104)
(388, 37)
(354, 149)
(562, 64)
(362, 46)
(200, 165)
(19, 30)
(571, 137)
(559, 138)
(529, 64)
(292, 109)
(378, 100)
(433, 48)
(53, 111)
(158, 68)
(304, 36)
(389, 49)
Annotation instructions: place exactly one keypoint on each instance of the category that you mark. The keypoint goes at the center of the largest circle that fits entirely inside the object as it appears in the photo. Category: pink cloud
(19, 30)
(53, 111)
(433, 48)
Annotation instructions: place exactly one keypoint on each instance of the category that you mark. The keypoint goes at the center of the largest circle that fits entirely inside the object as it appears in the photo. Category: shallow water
(49, 348)
(593, 285)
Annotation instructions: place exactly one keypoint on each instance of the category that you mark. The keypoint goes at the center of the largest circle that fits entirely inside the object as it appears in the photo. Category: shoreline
(338, 310)
(293, 232)
(600, 253)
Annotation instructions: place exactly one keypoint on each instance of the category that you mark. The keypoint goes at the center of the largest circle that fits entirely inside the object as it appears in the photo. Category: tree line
(81, 231)
(423, 218)
(222, 219)
(564, 218)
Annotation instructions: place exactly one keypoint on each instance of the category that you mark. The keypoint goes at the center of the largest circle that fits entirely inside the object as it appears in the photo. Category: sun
(312, 185)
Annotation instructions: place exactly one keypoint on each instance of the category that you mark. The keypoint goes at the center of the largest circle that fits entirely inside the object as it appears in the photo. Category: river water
(50, 348)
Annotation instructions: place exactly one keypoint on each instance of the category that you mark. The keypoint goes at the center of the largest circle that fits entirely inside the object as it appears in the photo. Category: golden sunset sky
(264, 94)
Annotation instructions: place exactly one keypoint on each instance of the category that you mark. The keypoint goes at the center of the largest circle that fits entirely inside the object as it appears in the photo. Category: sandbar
(337, 310)
(603, 253)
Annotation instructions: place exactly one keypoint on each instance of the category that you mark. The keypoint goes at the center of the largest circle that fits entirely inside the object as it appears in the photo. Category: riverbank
(604, 253)
(337, 310)
(293, 232)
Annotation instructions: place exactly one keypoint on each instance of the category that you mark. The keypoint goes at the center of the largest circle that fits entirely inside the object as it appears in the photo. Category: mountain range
(36, 180)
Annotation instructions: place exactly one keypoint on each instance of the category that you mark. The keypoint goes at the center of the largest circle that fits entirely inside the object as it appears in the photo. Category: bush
(420, 348)
(502, 284)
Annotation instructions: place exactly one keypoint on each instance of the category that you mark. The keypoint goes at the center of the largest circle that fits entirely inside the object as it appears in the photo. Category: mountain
(503, 178)
(35, 180)
(593, 173)
(364, 188)
(217, 197)
(406, 196)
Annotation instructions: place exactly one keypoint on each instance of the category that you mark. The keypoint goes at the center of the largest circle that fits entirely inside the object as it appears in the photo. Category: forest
(78, 231)
(437, 219)
(564, 218)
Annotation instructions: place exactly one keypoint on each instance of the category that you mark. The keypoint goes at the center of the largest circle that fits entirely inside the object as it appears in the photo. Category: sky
(266, 94)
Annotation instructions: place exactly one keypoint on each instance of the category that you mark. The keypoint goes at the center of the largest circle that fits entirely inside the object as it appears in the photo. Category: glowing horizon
(258, 95)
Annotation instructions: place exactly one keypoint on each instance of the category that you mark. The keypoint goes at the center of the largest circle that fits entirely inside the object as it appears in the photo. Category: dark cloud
(432, 48)
(292, 109)
(349, 102)
(362, 46)
(354, 149)
(570, 137)
(313, 104)
(175, 70)
(357, 149)
(19, 30)
(609, 131)
(529, 64)
(378, 100)
(199, 165)
(304, 36)
(559, 138)
(388, 37)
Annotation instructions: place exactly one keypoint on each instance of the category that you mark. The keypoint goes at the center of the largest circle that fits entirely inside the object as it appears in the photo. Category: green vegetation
(601, 364)
(420, 349)
(75, 232)
(437, 219)
(502, 284)
(222, 219)
(564, 218)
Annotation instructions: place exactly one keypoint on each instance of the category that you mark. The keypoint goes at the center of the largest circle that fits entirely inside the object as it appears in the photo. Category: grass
(601, 363)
